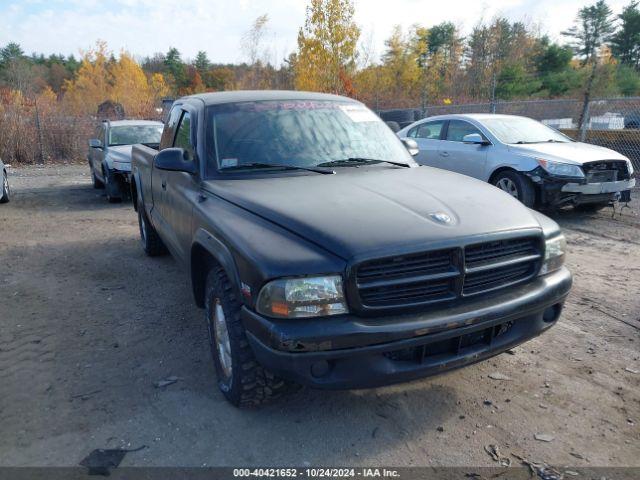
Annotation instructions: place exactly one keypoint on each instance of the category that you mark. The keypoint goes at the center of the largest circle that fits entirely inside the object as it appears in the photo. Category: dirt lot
(88, 324)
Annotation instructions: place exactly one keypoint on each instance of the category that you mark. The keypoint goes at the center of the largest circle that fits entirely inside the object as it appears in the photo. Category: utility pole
(493, 92)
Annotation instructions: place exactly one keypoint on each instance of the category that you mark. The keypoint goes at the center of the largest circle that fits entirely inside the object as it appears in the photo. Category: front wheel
(5, 194)
(516, 185)
(241, 379)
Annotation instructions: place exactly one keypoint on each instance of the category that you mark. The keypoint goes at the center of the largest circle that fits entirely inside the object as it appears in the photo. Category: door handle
(444, 154)
(164, 184)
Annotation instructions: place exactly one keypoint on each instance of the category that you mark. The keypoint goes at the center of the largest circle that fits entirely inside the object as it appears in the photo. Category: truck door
(457, 156)
(182, 188)
(159, 177)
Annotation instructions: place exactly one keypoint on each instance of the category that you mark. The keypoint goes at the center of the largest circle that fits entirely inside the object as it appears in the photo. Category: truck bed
(141, 168)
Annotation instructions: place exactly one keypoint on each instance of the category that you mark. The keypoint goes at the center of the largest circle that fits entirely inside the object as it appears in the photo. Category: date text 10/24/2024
(316, 473)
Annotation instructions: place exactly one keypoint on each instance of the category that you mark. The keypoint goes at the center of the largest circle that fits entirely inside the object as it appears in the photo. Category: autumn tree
(129, 86)
(103, 77)
(327, 47)
(92, 84)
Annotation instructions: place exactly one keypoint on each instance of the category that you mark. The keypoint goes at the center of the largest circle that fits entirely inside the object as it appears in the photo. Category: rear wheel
(151, 241)
(5, 193)
(241, 379)
(516, 185)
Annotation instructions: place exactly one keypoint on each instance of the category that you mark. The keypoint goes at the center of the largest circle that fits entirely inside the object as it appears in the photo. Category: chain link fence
(610, 122)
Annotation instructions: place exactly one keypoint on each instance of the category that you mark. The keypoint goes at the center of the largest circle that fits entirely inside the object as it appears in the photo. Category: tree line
(598, 55)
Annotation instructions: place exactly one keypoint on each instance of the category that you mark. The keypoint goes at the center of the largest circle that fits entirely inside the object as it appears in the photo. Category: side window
(170, 127)
(458, 129)
(412, 133)
(183, 136)
(429, 130)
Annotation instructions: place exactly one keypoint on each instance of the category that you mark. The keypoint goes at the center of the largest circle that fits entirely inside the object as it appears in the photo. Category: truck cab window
(183, 136)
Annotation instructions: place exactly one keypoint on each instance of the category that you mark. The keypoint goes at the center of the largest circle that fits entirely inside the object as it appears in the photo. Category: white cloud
(216, 26)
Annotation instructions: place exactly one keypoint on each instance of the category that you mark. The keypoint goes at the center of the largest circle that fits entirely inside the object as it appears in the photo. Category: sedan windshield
(298, 133)
(522, 130)
(132, 134)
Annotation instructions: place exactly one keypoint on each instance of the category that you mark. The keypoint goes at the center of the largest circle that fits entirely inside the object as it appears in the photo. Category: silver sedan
(528, 160)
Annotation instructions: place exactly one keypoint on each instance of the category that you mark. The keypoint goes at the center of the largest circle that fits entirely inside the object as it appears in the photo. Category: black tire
(5, 192)
(97, 184)
(591, 207)
(248, 384)
(151, 242)
(111, 186)
(516, 185)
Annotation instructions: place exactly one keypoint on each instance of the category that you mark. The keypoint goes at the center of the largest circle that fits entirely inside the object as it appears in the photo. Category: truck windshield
(303, 133)
(132, 134)
(518, 130)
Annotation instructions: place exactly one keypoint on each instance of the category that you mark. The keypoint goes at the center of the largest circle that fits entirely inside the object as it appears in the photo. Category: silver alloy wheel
(223, 344)
(508, 186)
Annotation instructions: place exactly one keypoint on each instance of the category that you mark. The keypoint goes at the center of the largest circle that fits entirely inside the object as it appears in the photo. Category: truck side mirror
(412, 146)
(175, 160)
(95, 143)
(474, 138)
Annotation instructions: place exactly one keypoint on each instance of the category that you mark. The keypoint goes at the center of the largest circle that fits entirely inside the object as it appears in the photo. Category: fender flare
(213, 246)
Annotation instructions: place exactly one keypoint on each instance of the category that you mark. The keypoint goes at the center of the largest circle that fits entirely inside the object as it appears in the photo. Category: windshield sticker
(359, 114)
(229, 162)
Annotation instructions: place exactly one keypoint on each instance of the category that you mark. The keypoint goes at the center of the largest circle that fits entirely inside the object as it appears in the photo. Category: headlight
(554, 254)
(302, 297)
(560, 169)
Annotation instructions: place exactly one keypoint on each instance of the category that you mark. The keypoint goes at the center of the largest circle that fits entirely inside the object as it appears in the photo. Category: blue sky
(216, 26)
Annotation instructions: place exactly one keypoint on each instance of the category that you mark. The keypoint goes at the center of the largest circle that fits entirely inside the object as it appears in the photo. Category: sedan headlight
(555, 252)
(560, 169)
(302, 297)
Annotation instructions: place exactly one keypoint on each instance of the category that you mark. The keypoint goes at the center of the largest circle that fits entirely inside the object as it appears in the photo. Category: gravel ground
(88, 323)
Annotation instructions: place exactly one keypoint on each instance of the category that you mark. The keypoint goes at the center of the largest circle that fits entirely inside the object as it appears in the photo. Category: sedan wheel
(516, 185)
(508, 186)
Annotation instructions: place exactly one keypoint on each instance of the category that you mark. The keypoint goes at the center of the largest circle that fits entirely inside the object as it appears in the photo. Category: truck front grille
(443, 275)
(606, 171)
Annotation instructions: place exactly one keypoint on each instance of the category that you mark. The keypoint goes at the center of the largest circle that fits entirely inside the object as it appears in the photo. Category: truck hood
(576, 153)
(120, 153)
(360, 212)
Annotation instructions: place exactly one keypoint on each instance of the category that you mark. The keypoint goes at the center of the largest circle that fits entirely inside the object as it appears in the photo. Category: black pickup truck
(324, 255)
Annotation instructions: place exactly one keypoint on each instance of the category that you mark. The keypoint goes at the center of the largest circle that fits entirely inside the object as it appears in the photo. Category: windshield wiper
(355, 161)
(278, 165)
(551, 140)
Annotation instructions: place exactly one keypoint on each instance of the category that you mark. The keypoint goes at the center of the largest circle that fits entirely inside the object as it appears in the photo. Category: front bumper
(353, 352)
(599, 188)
